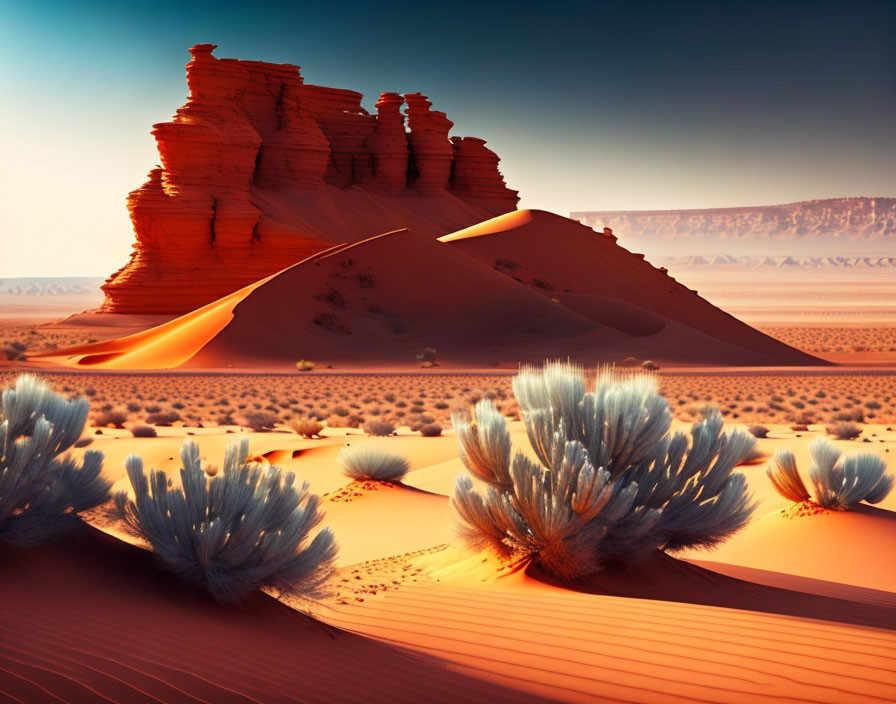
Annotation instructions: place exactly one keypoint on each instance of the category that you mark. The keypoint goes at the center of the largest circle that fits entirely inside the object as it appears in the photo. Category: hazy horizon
(593, 107)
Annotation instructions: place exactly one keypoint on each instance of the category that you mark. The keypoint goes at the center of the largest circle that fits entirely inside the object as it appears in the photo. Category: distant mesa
(259, 170)
(837, 228)
(841, 218)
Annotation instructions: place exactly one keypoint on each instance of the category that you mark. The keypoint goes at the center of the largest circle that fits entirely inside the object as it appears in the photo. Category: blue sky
(591, 105)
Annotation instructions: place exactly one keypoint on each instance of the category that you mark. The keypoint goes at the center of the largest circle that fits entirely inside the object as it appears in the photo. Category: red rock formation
(475, 172)
(431, 150)
(389, 146)
(260, 170)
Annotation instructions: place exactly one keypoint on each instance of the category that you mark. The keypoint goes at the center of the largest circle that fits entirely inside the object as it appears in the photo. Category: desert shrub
(368, 463)
(838, 481)
(113, 417)
(163, 418)
(844, 430)
(244, 528)
(143, 431)
(307, 427)
(304, 365)
(428, 357)
(430, 430)
(42, 487)
(611, 481)
(650, 365)
(758, 431)
(379, 427)
(11, 352)
(259, 421)
(856, 415)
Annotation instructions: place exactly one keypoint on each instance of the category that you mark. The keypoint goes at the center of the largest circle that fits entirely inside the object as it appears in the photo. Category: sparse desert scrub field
(685, 628)
(417, 399)
(838, 342)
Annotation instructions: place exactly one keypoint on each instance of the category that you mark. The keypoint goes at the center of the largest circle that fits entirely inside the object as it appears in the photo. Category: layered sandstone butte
(260, 170)
(836, 227)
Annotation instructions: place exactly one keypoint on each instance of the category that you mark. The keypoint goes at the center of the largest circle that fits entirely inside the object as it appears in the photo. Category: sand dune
(628, 641)
(383, 299)
(378, 300)
(835, 546)
(94, 620)
(556, 255)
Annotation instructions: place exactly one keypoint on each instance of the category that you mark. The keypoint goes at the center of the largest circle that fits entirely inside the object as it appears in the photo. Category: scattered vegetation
(758, 431)
(113, 417)
(143, 431)
(430, 430)
(259, 421)
(611, 481)
(42, 487)
(304, 365)
(428, 357)
(838, 481)
(381, 428)
(245, 528)
(307, 427)
(844, 430)
(368, 463)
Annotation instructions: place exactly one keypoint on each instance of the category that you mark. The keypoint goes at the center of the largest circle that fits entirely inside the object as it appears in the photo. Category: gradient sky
(591, 105)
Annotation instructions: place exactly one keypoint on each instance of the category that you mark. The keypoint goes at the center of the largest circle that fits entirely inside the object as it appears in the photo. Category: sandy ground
(800, 605)
(794, 607)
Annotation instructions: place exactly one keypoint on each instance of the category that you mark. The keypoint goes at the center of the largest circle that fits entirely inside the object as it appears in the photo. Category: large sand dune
(588, 271)
(383, 299)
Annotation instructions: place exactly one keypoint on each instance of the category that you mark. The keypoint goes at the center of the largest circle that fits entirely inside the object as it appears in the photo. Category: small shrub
(307, 427)
(431, 430)
(42, 487)
(611, 481)
(113, 417)
(163, 418)
(839, 481)
(844, 430)
(242, 529)
(428, 357)
(259, 421)
(304, 365)
(367, 463)
(650, 365)
(758, 431)
(380, 428)
(143, 431)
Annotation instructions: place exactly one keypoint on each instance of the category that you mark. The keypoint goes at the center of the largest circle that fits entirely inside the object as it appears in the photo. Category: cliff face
(833, 227)
(260, 170)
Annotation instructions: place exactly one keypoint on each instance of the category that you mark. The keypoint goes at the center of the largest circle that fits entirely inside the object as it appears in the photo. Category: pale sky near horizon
(591, 105)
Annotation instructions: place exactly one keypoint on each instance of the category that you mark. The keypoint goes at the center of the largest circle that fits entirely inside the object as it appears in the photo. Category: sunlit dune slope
(850, 547)
(564, 259)
(379, 301)
(663, 632)
(94, 620)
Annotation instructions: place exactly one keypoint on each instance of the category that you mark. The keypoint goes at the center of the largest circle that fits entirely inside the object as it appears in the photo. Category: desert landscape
(350, 424)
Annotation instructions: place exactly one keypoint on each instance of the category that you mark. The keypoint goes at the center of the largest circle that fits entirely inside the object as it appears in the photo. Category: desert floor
(799, 606)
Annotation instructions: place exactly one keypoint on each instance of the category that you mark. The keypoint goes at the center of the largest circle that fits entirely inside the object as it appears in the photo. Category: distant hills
(839, 228)
(49, 286)
(747, 262)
